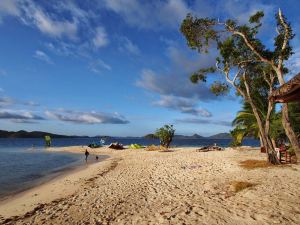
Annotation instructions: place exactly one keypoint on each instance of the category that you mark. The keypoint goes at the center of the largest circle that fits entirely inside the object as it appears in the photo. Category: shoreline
(49, 175)
(151, 187)
(16, 204)
(52, 175)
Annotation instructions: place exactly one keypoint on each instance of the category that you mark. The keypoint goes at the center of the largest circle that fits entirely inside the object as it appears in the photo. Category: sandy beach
(176, 187)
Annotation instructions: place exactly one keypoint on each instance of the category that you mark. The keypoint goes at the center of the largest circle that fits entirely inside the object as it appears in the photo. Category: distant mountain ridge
(41, 134)
(220, 136)
(32, 134)
(196, 136)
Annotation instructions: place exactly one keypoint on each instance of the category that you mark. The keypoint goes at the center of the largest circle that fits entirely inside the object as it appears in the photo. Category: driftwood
(209, 148)
(116, 146)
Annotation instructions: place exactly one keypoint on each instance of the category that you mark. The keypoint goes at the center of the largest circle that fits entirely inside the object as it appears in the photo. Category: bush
(235, 143)
(154, 148)
(291, 151)
(165, 135)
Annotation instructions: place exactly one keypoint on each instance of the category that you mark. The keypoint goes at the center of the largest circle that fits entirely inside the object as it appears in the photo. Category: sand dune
(179, 187)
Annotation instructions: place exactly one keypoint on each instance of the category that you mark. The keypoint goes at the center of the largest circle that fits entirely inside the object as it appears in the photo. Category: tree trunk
(286, 121)
(274, 142)
(267, 122)
(260, 141)
(264, 131)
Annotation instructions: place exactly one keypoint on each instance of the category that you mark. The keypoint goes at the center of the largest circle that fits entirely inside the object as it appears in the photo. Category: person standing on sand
(86, 154)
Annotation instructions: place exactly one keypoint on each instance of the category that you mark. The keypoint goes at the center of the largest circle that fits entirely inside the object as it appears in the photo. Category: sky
(117, 67)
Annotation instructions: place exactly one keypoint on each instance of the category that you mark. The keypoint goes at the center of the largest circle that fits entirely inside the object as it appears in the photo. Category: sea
(24, 162)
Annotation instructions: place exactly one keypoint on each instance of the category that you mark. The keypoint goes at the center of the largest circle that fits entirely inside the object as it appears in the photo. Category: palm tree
(245, 125)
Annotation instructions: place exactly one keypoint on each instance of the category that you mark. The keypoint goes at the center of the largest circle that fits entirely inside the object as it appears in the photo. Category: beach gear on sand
(135, 146)
(116, 146)
(93, 145)
(47, 141)
(210, 148)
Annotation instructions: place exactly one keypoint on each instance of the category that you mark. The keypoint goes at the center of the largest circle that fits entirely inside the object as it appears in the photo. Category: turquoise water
(22, 167)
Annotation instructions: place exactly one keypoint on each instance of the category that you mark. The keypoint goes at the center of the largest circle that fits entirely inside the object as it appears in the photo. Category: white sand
(180, 187)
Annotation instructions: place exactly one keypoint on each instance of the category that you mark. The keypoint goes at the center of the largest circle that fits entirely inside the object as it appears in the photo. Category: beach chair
(284, 155)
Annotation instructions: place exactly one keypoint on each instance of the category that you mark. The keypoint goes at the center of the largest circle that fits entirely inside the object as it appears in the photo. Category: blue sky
(115, 67)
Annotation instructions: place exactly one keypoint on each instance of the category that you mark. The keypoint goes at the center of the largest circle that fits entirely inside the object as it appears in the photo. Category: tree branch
(247, 42)
(285, 40)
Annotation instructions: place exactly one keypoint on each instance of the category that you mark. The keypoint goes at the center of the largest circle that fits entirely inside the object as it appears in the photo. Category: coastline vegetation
(253, 71)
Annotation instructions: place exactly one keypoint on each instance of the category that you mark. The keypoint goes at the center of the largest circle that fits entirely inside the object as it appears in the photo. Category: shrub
(153, 148)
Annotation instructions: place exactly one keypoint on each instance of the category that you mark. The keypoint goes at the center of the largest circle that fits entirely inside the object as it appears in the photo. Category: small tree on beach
(165, 135)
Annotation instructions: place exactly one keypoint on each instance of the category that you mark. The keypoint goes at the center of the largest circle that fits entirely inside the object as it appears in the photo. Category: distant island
(32, 134)
(196, 136)
(41, 134)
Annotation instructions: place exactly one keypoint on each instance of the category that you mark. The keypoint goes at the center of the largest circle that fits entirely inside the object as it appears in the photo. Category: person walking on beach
(86, 154)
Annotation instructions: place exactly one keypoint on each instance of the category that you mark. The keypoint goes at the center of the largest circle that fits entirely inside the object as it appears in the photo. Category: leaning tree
(241, 53)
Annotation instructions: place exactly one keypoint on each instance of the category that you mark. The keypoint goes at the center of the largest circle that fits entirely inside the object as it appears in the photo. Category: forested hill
(33, 134)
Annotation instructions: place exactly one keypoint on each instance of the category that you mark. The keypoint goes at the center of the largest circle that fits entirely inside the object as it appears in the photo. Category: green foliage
(199, 32)
(279, 39)
(219, 88)
(294, 115)
(245, 125)
(196, 77)
(165, 134)
(256, 18)
(277, 131)
(200, 75)
(255, 64)
(238, 135)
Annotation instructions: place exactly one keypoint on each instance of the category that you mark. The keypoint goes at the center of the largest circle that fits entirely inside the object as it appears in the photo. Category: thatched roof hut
(289, 92)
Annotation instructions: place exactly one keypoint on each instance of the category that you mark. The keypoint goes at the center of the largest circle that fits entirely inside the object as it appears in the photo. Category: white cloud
(184, 105)
(42, 56)
(9, 7)
(48, 25)
(149, 14)
(204, 121)
(31, 14)
(20, 116)
(8, 101)
(98, 66)
(242, 10)
(100, 39)
(175, 80)
(129, 47)
(5, 101)
(87, 117)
